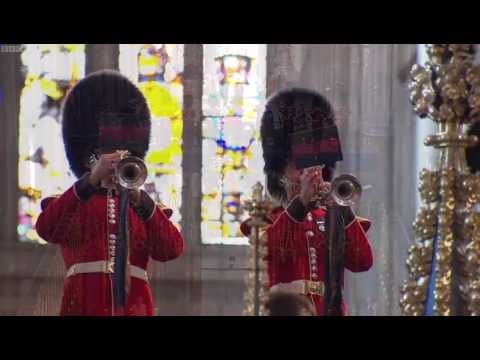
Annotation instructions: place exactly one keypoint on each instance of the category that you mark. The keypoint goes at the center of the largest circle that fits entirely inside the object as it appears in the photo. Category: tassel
(334, 262)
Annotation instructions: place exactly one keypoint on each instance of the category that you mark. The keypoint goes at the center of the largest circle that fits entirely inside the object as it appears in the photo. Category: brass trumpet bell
(131, 172)
(346, 190)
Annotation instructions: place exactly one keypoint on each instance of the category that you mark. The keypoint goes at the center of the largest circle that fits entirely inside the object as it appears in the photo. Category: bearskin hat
(298, 124)
(105, 110)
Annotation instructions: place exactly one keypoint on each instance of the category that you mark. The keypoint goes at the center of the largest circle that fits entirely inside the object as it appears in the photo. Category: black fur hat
(105, 110)
(298, 124)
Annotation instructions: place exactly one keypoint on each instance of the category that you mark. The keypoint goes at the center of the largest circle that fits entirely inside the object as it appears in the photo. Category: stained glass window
(157, 71)
(50, 71)
(233, 91)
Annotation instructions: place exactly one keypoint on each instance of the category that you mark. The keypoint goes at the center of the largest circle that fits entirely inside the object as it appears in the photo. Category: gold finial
(257, 282)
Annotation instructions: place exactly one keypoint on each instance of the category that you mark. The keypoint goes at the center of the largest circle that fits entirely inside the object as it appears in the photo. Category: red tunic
(82, 223)
(297, 250)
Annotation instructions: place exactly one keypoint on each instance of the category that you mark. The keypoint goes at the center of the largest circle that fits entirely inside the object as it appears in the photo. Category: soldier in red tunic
(106, 117)
(298, 130)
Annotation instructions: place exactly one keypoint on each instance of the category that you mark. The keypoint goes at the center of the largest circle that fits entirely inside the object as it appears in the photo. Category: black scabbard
(335, 230)
(121, 251)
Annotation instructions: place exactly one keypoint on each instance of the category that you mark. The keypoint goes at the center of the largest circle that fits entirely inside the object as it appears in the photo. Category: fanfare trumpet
(131, 172)
(345, 190)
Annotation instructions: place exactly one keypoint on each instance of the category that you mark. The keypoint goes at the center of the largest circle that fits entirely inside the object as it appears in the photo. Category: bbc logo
(11, 48)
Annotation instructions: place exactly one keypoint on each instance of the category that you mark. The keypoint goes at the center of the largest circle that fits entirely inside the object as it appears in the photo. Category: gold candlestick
(447, 90)
(257, 282)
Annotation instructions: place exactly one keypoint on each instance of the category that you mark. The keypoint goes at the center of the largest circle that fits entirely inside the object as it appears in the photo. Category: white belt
(305, 287)
(102, 267)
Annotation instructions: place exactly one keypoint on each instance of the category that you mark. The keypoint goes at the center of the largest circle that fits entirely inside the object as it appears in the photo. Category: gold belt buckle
(315, 287)
(110, 265)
